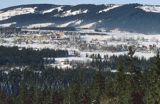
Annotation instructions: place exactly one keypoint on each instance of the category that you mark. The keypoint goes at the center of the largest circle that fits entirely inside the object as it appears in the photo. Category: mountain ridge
(128, 17)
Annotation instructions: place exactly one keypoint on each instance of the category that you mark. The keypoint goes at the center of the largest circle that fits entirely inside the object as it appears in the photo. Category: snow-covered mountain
(128, 17)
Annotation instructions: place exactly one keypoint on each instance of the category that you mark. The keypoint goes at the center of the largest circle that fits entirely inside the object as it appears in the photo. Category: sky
(8, 3)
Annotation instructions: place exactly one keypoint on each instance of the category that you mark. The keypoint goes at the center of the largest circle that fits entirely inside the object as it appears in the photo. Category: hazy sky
(7, 3)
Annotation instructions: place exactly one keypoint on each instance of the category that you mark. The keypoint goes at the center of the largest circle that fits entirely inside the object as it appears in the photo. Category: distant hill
(128, 17)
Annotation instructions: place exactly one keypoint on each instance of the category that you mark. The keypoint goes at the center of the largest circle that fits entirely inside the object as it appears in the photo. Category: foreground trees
(70, 87)
(94, 85)
(153, 83)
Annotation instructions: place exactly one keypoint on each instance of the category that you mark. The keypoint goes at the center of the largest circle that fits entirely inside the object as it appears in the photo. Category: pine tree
(153, 85)
(122, 86)
(98, 87)
(136, 82)
(36, 96)
(56, 98)
(75, 93)
(86, 97)
(2, 97)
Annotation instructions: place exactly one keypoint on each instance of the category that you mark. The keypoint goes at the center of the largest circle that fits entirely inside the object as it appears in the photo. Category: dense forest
(22, 56)
(136, 81)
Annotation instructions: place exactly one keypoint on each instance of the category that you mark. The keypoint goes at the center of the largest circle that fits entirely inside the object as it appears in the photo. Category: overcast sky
(8, 3)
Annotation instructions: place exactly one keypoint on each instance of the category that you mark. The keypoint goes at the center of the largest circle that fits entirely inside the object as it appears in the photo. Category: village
(81, 46)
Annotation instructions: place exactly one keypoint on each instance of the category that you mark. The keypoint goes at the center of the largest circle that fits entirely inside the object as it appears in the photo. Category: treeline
(9, 30)
(112, 62)
(16, 56)
(58, 28)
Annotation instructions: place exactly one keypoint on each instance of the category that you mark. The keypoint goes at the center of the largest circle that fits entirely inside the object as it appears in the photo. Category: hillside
(128, 17)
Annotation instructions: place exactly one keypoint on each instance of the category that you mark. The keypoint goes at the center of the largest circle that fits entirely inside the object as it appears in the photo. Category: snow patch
(48, 11)
(18, 11)
(83, 59)
(59, 8)
(109, 8)
(155, 9)
(89, 25)
(72, 13)
(76, 22)
(40, 25)
(51, 10)
(66, 24)
(7, 24)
